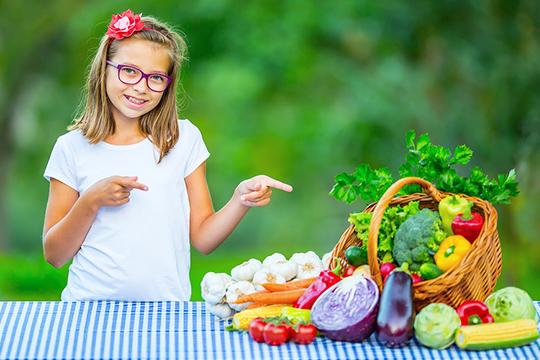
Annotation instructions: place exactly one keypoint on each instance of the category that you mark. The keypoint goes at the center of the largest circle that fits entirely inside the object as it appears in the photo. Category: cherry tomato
(349, 271)
(256, 329)
(305, 334)
(289, 330)
(276, 334)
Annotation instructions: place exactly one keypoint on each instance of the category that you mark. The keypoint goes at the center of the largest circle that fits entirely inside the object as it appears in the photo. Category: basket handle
(373, 238)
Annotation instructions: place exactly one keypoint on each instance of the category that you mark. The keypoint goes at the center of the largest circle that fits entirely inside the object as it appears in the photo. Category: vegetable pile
(427, 242)
(473, 325)
(254, 284)
(280, 300)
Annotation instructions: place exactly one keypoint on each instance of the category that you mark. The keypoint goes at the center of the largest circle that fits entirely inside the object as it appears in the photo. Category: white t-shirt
(139, 251)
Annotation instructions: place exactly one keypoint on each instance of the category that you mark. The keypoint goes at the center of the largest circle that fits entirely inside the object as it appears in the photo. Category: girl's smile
(135, 102)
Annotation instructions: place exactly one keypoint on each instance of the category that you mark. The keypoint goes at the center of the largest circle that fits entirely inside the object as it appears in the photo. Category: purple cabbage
(348, 310)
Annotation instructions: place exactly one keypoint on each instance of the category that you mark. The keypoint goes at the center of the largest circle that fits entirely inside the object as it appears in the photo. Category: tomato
(256, 329)
(289, 330)
(276, 334)
(305, 334)
(349, 271)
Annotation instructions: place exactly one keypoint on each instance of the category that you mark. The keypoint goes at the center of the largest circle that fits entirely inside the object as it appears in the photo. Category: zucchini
(430, 271)
(494, 336)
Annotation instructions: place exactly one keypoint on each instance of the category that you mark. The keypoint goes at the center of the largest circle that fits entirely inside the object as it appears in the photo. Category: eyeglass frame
(143, 75)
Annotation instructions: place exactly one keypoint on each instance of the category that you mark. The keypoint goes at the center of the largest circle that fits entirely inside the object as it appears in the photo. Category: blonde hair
(161, 123)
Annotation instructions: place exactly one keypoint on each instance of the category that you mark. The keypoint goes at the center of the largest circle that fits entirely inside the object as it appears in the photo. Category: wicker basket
(472, 279)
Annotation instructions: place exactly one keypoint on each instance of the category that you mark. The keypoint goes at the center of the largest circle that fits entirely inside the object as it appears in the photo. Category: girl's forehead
(143, 54)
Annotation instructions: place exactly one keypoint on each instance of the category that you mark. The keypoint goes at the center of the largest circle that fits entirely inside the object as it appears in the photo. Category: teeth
(136, 101)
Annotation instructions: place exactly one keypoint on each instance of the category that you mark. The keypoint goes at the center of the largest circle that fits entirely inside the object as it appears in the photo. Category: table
(178, 330)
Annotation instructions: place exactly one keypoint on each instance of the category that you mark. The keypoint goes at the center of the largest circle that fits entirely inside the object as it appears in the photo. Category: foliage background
(299, 90)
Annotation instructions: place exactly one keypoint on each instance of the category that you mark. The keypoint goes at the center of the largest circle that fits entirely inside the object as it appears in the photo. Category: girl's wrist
(240, 200)
(87, 203)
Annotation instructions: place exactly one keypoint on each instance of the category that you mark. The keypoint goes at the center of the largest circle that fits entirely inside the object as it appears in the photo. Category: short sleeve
(197, 151)
(60, 165)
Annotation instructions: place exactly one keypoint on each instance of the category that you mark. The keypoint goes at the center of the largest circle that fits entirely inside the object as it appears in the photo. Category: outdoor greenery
(299, 90)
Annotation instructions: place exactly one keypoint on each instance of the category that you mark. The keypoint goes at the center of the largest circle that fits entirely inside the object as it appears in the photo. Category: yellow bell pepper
(451, 251)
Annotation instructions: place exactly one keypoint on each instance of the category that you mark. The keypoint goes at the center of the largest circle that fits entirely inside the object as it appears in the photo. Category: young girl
(128, 187)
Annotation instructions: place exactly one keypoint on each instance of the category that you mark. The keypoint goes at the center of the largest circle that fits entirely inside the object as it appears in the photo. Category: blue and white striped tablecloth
(177, 330)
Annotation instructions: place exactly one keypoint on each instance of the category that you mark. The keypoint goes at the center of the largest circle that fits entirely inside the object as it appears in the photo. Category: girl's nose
(141, 86)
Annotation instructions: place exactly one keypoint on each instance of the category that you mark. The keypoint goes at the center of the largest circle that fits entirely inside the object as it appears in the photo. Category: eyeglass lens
(131, 76)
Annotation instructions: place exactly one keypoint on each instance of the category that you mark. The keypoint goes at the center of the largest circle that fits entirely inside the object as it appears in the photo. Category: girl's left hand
(257, 190)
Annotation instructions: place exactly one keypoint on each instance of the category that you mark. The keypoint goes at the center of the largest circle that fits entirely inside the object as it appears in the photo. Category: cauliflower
(418, 238)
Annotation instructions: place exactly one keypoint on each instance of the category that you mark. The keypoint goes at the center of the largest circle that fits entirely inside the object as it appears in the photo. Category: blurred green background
(298, 90)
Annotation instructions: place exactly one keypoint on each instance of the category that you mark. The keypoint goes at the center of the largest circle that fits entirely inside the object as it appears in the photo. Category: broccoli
(418, 238)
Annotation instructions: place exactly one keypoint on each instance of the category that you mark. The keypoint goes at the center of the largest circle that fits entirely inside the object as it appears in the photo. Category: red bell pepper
(324, 281)
(469, 224)
(474, 313)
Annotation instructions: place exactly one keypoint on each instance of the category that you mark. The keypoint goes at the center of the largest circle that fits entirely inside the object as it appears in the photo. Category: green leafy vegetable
(372, 184)
(432, 163)
(392, 218)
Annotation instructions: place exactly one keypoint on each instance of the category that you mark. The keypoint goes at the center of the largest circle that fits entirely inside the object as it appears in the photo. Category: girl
(128, 185)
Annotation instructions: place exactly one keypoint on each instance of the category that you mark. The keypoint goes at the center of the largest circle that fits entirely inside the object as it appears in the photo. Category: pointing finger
(130, 182)
(267, 181)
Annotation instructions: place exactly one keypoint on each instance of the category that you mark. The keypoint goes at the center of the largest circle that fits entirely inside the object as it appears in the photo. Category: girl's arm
(69, 216)
(208, 230)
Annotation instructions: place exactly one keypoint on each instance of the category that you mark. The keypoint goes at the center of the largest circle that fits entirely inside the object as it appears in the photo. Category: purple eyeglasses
(130, 75)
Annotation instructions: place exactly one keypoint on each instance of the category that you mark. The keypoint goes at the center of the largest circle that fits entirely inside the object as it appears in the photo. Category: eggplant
(395, 320)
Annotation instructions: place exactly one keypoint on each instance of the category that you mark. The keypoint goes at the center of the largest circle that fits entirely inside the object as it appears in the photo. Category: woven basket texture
(474, 278)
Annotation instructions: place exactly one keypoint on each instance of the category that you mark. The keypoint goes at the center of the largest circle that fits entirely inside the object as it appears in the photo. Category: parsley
(432, 163)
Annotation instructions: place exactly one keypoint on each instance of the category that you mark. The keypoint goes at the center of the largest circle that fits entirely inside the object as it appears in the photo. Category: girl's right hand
(112, 191)
(69, 216)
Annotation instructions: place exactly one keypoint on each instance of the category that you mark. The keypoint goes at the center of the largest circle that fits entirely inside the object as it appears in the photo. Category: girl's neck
(125, 134)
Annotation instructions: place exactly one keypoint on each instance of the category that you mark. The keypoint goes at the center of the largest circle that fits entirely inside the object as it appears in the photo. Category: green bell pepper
(449, 208)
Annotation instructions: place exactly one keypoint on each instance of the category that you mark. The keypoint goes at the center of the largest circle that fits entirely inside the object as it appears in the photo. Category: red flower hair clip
(124, 25)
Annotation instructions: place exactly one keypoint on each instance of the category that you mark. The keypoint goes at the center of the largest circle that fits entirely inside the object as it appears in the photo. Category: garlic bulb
(238, 290)
(309, 264)
(268, 275)
(222, 310)
(214, 287)
(274, 258)
(286, 268)
(246, 270)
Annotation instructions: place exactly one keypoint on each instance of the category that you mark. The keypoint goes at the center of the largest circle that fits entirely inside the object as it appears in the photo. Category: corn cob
(242, 319)
(497, 335)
